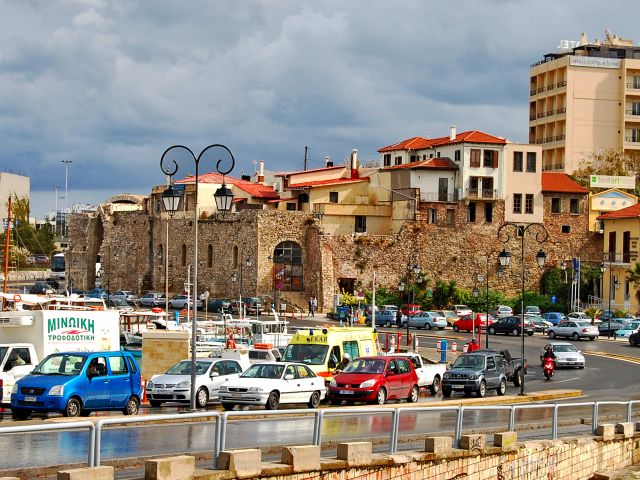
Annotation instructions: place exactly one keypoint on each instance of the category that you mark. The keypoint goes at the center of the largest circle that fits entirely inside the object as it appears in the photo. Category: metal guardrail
(220, 436)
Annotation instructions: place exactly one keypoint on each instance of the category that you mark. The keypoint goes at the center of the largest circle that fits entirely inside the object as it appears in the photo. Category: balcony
(532, 117)
(541, 115)
(632, 139)
(482, 193)
(562, 110)
(561, 84)
(551, 87)
(632, 113)
(532, 92)
(444, 197)
(633, 86)
(619, 258)
(540, 90)
(550, 113)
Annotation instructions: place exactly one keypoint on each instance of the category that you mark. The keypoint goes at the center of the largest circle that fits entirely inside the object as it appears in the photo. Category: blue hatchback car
(78, 383)
(554, 317)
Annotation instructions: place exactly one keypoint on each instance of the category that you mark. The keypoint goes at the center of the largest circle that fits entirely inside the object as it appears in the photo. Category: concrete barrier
(181, 467)
(437, 444)
(355, 453)
(303, 459)
(243, 463)
(474, 443)
(89, 473)
(507, 441)
(606, 430)
(625, 428)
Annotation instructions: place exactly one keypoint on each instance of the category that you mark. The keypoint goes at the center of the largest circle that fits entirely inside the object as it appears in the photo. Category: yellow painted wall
(618, 269)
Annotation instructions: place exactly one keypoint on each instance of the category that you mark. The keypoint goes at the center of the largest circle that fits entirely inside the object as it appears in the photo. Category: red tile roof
(256, 190)
(420, 143)
(331, 181)
(436, 163)
(282, 174)
(630, 212)
(561, 183)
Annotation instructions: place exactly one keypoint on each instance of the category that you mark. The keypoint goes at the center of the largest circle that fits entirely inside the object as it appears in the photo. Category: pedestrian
(314, 302)
(398, 318)
(311, 306)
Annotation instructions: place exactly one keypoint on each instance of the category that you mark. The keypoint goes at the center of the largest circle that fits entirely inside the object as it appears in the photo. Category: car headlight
(368, 383)
(255, 389)
(57, 390)
(184, 384)
(333, 383)
(149, 384)
(223, 389)
(472, 376)
(14, 389)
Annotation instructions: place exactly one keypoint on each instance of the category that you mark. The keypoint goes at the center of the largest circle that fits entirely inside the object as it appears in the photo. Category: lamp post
(170, 200)
(486, 284)
(541, 236)
(234, 278)
(614, 284)
(223, 197)
(66, 176)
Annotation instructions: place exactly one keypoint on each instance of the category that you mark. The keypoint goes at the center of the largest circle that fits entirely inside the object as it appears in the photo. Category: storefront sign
(610, 181)
(597, 62)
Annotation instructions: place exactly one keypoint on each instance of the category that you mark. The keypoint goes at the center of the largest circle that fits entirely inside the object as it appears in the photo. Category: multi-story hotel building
(585, 100)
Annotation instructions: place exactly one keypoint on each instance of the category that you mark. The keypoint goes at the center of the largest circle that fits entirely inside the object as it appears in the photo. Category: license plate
(30, 399)
(346, 392)
(235, 395)
(164, 392)
(457, 387)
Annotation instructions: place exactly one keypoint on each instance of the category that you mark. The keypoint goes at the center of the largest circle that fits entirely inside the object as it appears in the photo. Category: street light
(171, 202)
(413, 277)
(477, 293)
(541, 236)
(223, 197)
(614, 283)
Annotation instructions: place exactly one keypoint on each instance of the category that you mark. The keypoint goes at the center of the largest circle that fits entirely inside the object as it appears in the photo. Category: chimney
(261, 173)
(354, 163)
(328, 162)
(452, 135)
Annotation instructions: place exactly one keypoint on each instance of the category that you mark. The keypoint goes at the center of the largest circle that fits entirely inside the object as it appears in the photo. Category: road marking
(614, 356)
(566, 380)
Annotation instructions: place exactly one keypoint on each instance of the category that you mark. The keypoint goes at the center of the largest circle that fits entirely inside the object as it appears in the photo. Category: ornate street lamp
(520, 230)
(223, 197)
(171, 202)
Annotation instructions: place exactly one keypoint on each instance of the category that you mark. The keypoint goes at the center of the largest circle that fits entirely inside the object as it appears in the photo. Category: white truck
(429, 373)
(28, 336)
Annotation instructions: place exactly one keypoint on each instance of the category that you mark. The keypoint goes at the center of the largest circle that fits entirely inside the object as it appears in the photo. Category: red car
(410, 309)
(375, 379)
(479, 321)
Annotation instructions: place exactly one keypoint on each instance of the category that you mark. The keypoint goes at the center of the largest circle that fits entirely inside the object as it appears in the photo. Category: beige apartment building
(585, 100)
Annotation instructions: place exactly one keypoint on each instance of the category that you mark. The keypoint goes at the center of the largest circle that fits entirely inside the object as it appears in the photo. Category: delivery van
(322, 348)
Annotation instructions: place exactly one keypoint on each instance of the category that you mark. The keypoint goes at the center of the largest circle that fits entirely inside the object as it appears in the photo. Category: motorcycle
(548, 367)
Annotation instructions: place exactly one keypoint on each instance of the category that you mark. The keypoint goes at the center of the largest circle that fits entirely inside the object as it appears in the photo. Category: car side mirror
(289, 376)
(214, 374)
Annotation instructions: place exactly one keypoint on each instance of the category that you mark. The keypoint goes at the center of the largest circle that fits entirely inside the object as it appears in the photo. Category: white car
(180, 302)
(274, 383)
(567, 355)
(579, 316)
(429, 373)
(503, 311)
(461, 310)
(175, 385)
(126, 295)
(575, 329)
(427, 320)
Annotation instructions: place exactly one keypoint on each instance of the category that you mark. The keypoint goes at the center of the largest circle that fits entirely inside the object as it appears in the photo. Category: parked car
(236, 306)
(461, 310)
(41, 288)
(631, 327)
(375, 379)
(152, 299)
(73, 383)
(575, 329)
(119, 304)
(254, 305)
(102, 293)
(539, 323)
(449, 315)
(180, 302)
(429, 373)
(511, 326)
(211, 373)
(272, 384)
(410, 309)
(532, 309)
(387, 308)
(219, 304)
(467, 323)
(567, 355)
(427, 320)
(579, 316)
(610, 327)
(476, 372)
(126, 295)
(554, 317)
(634, 339)
(264, 354)
(502, 311)
(386, 318)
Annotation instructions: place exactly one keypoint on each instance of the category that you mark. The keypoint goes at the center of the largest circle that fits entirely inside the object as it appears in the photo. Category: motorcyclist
(549, 353)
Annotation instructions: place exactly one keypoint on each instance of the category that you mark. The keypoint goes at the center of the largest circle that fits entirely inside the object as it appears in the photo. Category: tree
(444, 294)
(609, 162)
(28, 240)
(633, 275)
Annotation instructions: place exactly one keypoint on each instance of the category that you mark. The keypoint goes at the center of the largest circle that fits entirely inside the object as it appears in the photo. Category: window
(531, 162)
(451, 216)
(351, 348)
(433, 216)
(517, 203)
(183, 255)
(626, 247)
(488, 212)
(398, 160)
(555, 205)
(475, 157)
(456, 156)
(566, 229)
(361, 224)
(490, 158)
(333, 197)
(235, 256)
(403, 366)
(291, 207)
(117, 365)
(210, 256)
(528, 203)
(491, 363)
(132, 365)
(438, 154)
(287, 267)
(412, 158)
(517, 161)
(574, 206)
(304, 198)
(471, 212)
(387, 160)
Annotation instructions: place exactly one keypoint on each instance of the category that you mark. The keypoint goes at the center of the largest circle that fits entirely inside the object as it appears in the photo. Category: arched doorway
(287, 267)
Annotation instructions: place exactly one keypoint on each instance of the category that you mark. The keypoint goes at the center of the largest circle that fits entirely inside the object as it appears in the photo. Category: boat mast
(6, 253)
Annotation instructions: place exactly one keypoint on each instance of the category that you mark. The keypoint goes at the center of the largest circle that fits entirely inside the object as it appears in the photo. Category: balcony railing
(482, 193)
(532, 117)
(540, 90)
(562, 110)
(561, 84)
(551, 112)
(541, 115)
(618, 258)
(532, 92)
(439, 197)
(633, 86)
(634, 113)
(632, 139)
(551, 87)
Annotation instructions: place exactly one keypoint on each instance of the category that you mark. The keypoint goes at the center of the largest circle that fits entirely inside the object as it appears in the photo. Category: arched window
(183, 255)
(287, 267)
(210, 256)
(235, 257)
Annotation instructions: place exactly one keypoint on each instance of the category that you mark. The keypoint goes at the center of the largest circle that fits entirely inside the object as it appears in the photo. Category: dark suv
(511, 326)
(476, 372)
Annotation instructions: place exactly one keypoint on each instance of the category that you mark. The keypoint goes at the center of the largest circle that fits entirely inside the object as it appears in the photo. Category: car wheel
(314, 401)
(575, 336)
(155, 403)
(434, 388)
(632, 341)
(502, 388)
(476, 329)
(427, 326)
(132, 407)
(552, 334)
(20, 414)
(492, 331)
(202, 397)
(387, 324)
(381, 396)
(414, 395)
(517, 377)
(592, 338)
(170, 305)
(456, 328)
(228, 406)
(580, 366)
(482, 390)
(73, 408)
(515, 332)
(273, 401)
(530, 334)
(446, 392)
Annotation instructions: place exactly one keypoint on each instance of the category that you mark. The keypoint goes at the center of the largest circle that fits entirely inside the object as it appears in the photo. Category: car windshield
(365, 365)
(67, 364)
(564, 348)
(469, 361)
(630, 326)
(184, 368)
(264, 370)
(307, 353)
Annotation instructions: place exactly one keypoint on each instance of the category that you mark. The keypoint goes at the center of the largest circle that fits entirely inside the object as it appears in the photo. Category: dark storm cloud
(110, 84)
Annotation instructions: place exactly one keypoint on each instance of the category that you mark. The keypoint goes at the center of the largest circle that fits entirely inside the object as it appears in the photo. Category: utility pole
(306, 156)
(66, 176)
(55, 221)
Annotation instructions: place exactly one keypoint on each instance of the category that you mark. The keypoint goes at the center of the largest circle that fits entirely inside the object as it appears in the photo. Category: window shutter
(495, 159)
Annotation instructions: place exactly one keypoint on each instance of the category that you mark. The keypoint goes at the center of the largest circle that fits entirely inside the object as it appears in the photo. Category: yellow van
(322, 348)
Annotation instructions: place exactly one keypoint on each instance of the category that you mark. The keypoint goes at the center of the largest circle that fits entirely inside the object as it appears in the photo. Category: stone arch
(288, 267)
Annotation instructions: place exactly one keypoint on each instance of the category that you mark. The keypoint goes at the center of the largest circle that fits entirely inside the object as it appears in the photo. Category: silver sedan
(427, 320)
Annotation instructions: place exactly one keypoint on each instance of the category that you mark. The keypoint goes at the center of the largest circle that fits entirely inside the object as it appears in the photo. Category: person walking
(314, 306)
(311, 306)
(398, 318)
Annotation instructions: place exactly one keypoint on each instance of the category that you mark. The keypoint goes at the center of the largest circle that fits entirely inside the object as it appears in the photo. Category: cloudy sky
(110, 85)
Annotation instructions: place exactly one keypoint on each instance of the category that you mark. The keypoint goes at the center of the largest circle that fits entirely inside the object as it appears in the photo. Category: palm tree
(633, 275)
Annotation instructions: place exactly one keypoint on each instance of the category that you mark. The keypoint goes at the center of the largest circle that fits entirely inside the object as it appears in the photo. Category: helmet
(549, 348)
(346, 356)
